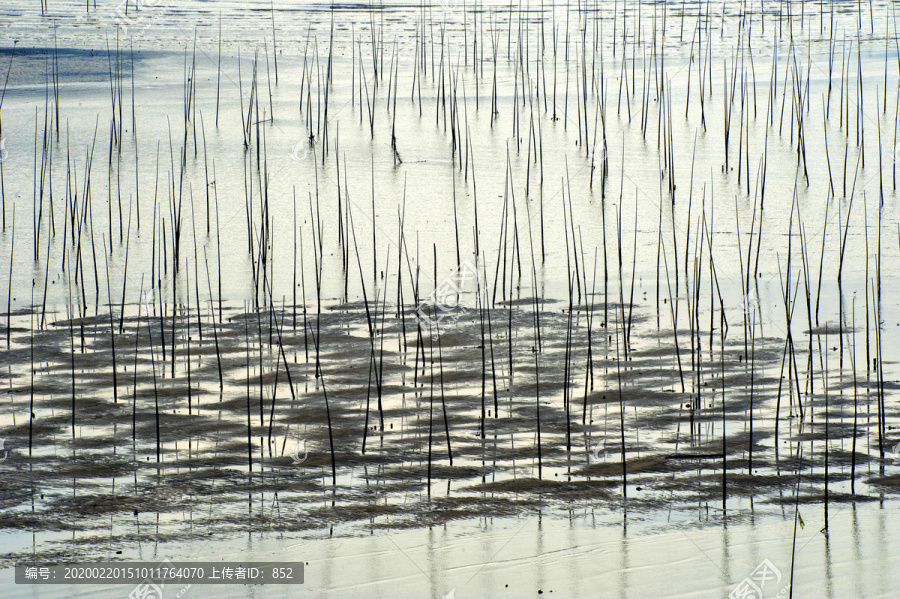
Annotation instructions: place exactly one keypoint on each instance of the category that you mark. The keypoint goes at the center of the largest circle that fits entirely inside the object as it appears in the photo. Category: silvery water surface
(395, 289)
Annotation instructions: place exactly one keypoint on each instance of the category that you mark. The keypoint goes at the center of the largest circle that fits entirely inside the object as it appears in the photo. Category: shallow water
(610, 329)
(582, 554)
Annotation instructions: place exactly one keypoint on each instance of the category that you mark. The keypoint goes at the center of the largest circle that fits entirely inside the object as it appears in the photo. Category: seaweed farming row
(232, 417)
(395, 266)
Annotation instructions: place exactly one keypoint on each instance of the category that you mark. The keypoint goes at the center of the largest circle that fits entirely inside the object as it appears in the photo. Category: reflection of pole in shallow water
(537, 401)
(621, 409)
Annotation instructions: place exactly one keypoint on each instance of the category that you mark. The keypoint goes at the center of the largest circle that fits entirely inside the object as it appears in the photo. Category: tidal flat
(487, 299)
